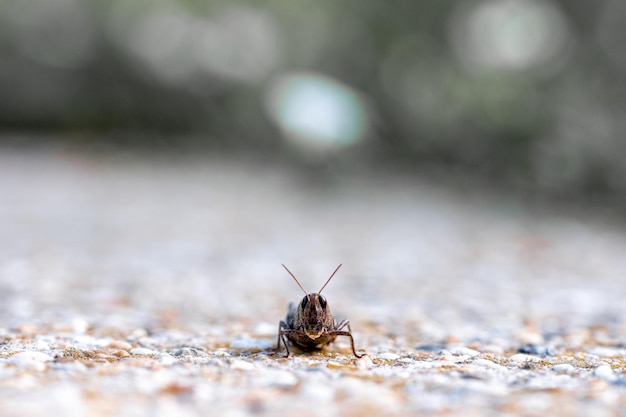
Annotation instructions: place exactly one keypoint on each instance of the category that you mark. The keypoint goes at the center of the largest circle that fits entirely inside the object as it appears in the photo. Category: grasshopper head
(314, 315)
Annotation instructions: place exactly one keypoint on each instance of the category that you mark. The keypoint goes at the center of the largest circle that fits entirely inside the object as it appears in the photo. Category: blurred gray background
(528, 95)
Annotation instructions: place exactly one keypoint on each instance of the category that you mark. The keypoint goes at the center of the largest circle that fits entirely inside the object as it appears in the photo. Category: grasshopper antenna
(331, 277)
(296, 279)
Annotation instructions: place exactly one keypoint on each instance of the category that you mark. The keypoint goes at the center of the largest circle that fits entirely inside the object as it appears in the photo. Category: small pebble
(120, 344)
(443, 362)
(563, 367)
(30, 360)
(605, 372)
(485, 363)
(364, 363)
(536, 350)
(587, 357)
(142, 351)
(388, 356)
(189, 351)
(463, 351)
(121, 354)
(522, 358)
(167, 359)
(101, 356)
(241, 365)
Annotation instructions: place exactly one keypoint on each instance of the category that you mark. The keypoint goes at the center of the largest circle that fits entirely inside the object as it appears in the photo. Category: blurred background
(526, 94)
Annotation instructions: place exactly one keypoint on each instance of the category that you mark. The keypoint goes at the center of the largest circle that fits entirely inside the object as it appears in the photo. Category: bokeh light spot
(511, 35)
(316, 112)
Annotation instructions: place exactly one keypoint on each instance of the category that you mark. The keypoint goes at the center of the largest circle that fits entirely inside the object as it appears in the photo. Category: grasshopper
(311, 325)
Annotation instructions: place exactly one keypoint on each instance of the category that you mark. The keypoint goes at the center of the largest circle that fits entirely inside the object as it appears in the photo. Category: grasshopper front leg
(281, 335)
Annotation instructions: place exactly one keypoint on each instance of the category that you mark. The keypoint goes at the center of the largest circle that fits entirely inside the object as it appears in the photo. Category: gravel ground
(154, 288)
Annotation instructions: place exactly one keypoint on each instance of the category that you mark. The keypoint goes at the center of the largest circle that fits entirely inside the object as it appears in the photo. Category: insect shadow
(310, 325)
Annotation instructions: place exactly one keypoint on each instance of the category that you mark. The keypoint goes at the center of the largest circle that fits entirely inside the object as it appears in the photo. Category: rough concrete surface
(153, 287)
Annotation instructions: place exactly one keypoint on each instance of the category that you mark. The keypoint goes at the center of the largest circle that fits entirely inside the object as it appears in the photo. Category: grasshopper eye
(322, 302)
(304, 301)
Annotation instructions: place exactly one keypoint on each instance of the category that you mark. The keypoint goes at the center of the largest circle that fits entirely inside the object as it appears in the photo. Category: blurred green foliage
(529, 91)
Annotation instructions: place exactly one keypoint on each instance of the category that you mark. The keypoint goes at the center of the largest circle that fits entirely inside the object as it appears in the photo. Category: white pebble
(522, 358)
(605, 372)
(485, 363)
(588, 357)
(464, 351)
(187, 352)
(30, 360)
(142, 351)
(242, 365)
(364, 363)
(454, 358)
(443, 363)
(221, 353)
(563, 367)
(167, 359)
(388, 356)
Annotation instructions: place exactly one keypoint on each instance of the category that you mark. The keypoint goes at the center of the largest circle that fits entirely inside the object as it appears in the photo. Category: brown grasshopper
(310, 325)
